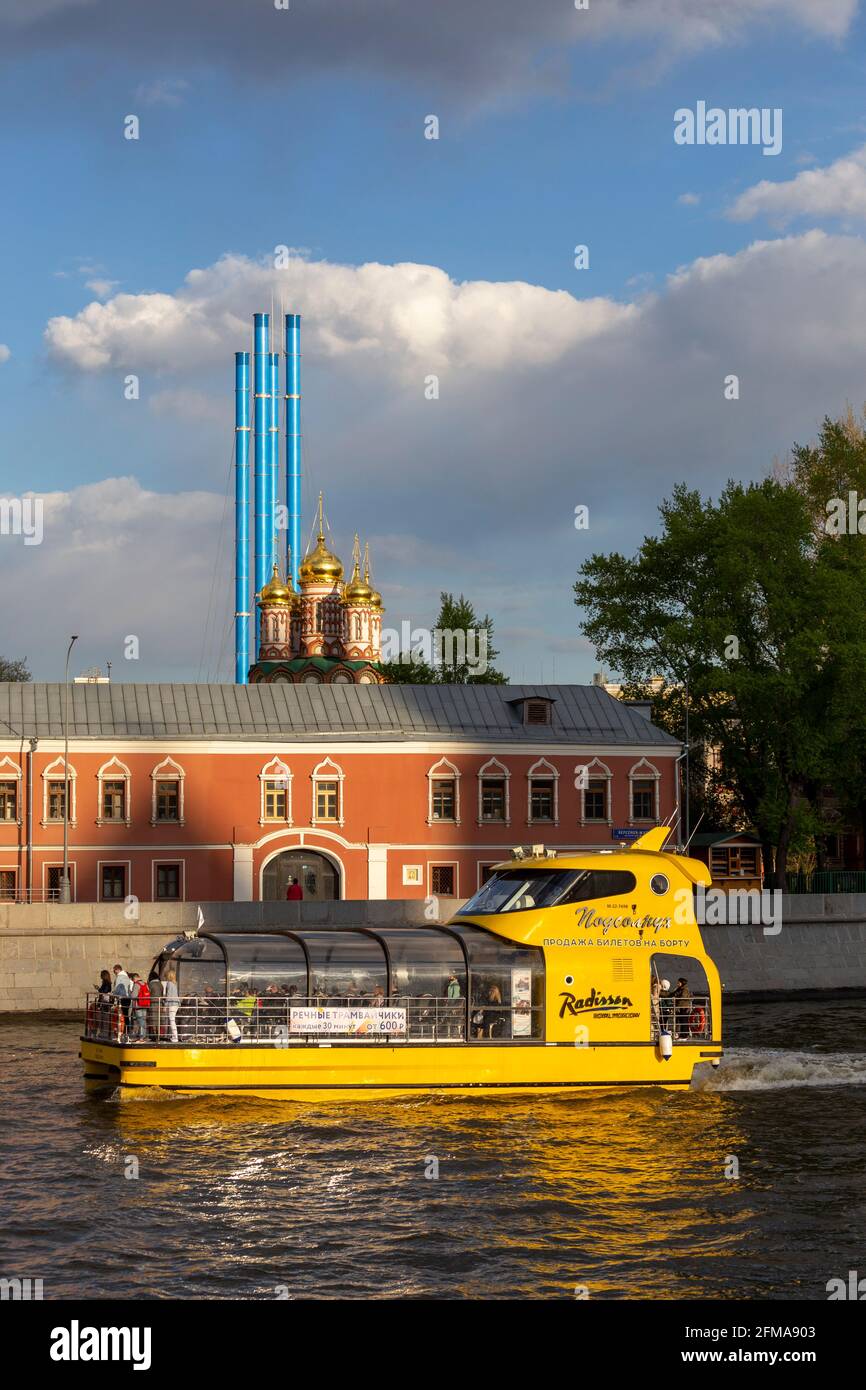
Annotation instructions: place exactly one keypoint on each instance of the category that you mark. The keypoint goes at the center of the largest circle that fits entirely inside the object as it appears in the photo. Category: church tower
(329, 632)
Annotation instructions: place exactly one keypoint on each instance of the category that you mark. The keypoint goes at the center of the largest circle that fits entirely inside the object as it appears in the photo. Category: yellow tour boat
(564, 973)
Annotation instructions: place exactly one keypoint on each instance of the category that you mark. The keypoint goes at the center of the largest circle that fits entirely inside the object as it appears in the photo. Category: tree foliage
(458, 662)
(750, 606)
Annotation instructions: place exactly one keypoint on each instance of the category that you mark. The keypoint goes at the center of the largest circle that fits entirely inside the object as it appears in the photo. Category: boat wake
(770, 1069)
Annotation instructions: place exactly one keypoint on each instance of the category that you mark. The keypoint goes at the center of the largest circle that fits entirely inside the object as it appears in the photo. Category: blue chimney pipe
(242, 517)
(293, 438)
(273, 457)
(262, 422)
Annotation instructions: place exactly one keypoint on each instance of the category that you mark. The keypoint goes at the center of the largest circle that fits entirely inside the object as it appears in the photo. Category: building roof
(723, 837)
(282, 712)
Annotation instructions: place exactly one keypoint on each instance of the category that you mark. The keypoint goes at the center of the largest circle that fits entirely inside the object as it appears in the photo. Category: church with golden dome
(324, 632)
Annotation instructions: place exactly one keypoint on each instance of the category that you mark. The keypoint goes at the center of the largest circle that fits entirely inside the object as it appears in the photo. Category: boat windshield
(518, 890)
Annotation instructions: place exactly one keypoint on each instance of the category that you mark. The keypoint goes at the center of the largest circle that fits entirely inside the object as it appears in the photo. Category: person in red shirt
(294, 892)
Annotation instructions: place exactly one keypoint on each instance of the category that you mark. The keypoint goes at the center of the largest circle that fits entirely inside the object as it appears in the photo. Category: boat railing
(284, 1020)
(685, 1019)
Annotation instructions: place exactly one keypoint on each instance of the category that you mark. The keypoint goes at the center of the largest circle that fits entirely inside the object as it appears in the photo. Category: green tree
(14, 670)
(460, 651)
(735, 600)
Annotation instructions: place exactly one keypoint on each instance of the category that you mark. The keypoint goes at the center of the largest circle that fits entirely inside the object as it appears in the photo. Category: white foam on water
(769, 1069)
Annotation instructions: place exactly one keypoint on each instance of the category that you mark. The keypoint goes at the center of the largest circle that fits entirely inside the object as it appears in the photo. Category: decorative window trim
(167, 771)
(114, 864)
(447, 772)
(8, 770)
(181, 884)
(50, 775)
(542, 769)
(596, 770)
(643, 771)
(119, 773)
(494, 766)
(274, 771)
(328, 771)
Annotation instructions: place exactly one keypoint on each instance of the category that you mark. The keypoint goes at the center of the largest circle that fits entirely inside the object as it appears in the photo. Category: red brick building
(220, 792)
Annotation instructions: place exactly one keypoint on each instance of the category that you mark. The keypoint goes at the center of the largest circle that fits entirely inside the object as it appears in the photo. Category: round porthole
(659, 884)
(569, 979)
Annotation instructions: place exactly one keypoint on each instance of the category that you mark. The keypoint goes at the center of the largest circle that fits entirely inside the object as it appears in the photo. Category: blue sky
(259, 129)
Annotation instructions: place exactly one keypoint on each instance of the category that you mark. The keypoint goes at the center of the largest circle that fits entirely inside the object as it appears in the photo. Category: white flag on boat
(199, 921)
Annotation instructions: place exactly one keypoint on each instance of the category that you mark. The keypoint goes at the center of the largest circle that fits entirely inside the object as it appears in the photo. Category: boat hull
(365, 1072)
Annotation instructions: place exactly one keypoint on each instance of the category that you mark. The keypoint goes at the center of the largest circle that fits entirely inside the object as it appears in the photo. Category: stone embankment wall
(51, 954)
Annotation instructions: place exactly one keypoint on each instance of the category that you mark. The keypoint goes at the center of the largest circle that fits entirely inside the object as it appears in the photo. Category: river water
(630, 1195)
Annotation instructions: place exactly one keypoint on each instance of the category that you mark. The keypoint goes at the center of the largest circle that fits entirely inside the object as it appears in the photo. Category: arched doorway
(318, 876)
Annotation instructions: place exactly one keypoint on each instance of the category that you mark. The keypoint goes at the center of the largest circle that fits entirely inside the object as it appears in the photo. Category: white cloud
(404, 317)
(127, 560)
(102, 288)
(194, 406)
(5, 353)
(689, 200)
(163, 91)
(838, 190)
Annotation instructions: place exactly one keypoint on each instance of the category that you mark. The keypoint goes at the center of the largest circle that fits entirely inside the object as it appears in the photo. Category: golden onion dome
(358, 590)
(275, 591)
(320, 566)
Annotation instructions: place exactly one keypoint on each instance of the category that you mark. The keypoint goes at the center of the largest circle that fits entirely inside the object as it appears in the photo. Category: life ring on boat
(698, 1021)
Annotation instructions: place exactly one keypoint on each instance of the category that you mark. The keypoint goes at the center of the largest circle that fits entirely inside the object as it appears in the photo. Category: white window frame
(167, 771)
(275, 771)
(643, 771)
(542, 769)
(328, 771)
(114, 771)
(595, 771)
(153, 868)
(494, 766)
(444, 771)
(50, 775)
(114, 863)
(8, 770)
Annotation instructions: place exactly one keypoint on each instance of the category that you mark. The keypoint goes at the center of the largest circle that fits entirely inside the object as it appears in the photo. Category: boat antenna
(692, 836)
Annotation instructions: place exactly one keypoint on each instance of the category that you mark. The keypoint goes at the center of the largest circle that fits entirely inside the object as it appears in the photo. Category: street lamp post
(65, 894)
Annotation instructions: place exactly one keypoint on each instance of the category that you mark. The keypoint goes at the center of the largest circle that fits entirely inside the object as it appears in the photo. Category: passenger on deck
(156, 1020)
(377, 999)
(104, 986)
(494, 1018)
(454, 1008)
(682, 1007)
(140, 995)
(122, 986)
(171, 1003)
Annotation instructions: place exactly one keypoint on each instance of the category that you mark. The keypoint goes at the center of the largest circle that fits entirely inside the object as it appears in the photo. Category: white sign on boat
(355, 1022)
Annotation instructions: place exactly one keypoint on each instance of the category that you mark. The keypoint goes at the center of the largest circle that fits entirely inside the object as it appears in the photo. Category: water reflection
(626, 1193)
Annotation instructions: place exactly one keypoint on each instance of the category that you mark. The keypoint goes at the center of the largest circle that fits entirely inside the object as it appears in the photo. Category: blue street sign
(626, 832)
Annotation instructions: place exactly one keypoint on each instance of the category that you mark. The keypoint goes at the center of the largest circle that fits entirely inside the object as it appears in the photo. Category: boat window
(257, 960)
(506, 986)
(424, 962)
(200, 966)
(519, 890)
(345, 966)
